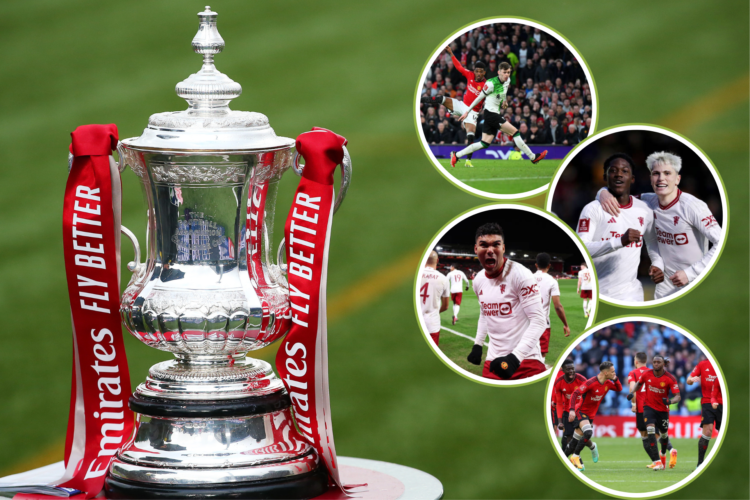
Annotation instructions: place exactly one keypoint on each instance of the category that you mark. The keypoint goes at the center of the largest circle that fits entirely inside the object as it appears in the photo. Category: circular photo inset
(638, 184)
(499, 105)
(501, 291)
(637, 407)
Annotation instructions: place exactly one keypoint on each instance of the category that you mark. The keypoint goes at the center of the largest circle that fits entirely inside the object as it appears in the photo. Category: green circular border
(495, 204)
(705, 273)
(519, 196)
(717, 446)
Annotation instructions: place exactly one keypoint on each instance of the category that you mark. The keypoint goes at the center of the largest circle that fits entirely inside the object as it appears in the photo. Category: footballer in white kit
(510, 312)
(585, 287)
(457, 278)
(684, 225)
(615, 242)
(433, 296)
(549, 291)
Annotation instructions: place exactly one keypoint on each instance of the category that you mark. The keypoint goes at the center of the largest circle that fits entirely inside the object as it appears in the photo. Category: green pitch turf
(622, 464)
(457, 347)
(503, 176)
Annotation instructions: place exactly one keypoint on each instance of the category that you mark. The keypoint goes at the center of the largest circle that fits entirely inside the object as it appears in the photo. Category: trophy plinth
(211, 423)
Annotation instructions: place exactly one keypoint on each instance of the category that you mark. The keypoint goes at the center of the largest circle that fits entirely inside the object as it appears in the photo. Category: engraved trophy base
(208, 428)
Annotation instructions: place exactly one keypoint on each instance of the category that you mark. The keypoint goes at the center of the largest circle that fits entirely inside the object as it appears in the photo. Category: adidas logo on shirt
(612, 221)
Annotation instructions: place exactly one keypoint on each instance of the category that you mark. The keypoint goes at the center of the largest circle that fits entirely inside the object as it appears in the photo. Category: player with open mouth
(510, 311)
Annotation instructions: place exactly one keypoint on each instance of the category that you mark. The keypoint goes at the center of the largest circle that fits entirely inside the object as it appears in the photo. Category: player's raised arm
(457, 64)
(587, 224)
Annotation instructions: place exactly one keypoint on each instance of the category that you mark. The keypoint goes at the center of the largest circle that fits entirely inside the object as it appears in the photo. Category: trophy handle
(346, 179)
(134, 265)
(346, 176)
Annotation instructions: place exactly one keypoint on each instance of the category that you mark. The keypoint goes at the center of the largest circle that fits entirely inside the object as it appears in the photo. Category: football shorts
(582, 416)
(586, 294)
(460, 108)
(456, 298)
(435, 337)
(711, 416)
(544, 342)
(640, 422)
(492, 123)
(527, 368)
(659, 418)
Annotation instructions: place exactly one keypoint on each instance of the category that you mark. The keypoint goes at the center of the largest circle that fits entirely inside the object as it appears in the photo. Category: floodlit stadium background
(354, 69)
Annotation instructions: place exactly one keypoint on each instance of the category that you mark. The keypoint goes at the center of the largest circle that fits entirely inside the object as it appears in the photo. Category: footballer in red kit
(712, 403)
(640, 361)
(562, 392)
(585, 402)
(474, 84)
(659, 383)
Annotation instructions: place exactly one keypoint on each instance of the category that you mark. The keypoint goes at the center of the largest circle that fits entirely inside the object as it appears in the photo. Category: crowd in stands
(619, 343)
(549, 100)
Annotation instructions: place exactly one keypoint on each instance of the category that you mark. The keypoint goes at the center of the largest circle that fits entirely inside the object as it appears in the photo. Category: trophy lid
(208, 125)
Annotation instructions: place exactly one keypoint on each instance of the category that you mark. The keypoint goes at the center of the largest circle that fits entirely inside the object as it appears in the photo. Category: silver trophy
(212, 422)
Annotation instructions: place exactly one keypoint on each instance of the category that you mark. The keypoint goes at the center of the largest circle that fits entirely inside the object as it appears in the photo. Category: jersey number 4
(424, 292)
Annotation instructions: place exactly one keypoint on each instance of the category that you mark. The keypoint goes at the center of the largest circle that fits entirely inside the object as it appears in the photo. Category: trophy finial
(209, 90)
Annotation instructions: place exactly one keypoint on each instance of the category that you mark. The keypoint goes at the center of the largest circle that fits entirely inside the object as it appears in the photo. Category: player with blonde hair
(684, 225)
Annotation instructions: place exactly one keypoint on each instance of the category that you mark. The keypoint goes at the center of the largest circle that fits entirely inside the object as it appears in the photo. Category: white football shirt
(617, 266)
(586, 279)
(548, 288)
(683, 229)
(433, 287)
(510, 312)
(456, 279)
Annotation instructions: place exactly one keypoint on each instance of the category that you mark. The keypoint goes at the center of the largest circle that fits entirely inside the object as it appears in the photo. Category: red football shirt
(473, 87)
(565, 390)
(658, 388)
(640, 396)
(706, 372)
(592, 393)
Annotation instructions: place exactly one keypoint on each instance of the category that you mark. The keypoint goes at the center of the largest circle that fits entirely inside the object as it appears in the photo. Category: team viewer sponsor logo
(583, 225)
(667, 238)
(497, 309)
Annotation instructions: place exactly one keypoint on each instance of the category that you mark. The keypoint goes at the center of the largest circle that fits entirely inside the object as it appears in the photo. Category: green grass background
(457, 347)
(353, 67)
(622, 464)
(503, 176)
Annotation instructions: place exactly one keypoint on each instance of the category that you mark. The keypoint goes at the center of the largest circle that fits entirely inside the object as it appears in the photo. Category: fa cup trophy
(213, 423)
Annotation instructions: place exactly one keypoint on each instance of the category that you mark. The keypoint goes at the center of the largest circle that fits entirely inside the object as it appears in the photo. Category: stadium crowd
(619, 343)
(549, 100)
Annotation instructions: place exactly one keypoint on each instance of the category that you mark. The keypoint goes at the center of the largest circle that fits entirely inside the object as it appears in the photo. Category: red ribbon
(100, 421)
(302, 359)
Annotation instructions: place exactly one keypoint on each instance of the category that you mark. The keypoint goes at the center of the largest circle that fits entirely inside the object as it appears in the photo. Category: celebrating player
(639, 360)
(495, 92)
(712, 404)
(433, 295)
(456, 277)
(549, 290)
(585, 285)
(683, 224)
(474, 83)
(658, 383)
(510, 311)
(562, 391)
(615, 241)
(584, 403)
